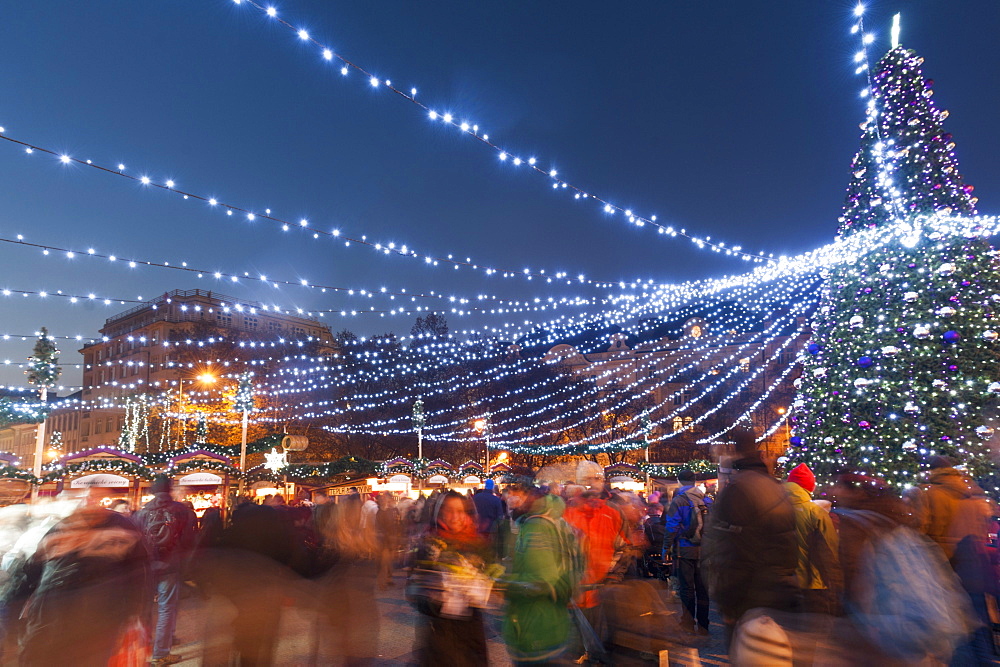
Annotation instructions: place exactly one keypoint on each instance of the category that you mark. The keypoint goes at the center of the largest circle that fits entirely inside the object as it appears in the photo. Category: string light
(472, 130)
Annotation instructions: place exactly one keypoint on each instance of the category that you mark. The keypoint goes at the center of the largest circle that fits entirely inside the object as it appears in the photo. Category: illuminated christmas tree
(902, 363)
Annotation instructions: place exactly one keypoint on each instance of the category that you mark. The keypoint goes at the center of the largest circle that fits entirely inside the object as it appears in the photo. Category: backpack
(572, 560)
(164, 529)
(696, 523)
(909, 602)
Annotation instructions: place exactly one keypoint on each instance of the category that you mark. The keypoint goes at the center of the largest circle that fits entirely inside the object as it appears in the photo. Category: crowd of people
(568, 569)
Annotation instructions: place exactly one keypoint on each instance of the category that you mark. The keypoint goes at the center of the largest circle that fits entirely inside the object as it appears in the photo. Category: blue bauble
(795, 440)
(952, 336)
(865, 362)
(814, 348)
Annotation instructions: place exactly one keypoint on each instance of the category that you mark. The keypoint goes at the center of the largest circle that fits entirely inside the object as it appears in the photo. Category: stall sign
(348, 490)
(200, 479)
(438, 479)
(472, 479)
(399, 479)
(101, 480)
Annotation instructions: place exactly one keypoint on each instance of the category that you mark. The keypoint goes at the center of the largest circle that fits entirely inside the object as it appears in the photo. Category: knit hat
(161, 484)
(489, 485)
(939, 461)
(686, 476)
(803, 476)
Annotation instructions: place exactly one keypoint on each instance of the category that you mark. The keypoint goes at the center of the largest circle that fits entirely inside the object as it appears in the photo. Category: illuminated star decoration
(275, 460)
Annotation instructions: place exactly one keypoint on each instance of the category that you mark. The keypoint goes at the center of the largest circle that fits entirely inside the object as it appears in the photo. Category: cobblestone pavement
(300, 643)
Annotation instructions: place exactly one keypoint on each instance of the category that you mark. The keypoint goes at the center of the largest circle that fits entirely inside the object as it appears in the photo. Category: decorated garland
(116, 466)
(10, 472)
(205, 464)
(698, 467)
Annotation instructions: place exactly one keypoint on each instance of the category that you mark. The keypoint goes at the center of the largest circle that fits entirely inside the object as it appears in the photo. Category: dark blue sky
(736, 120)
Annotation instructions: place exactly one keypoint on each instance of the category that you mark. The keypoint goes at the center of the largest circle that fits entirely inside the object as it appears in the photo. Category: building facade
(162, 346)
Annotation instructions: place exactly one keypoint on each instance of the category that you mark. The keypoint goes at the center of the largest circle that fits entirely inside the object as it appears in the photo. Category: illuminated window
(696, 331)
(745, 364)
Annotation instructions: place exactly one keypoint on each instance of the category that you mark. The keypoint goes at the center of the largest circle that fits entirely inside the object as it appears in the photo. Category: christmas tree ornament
(911, 408)
(984, 432)
(821, 371)
(865, 362)
(946, 269)
(910, 445)
(990, 335)
(861, 383)
(922, 332)
(945, 311)
(951, 336)
(939, 384)
(864, 424)
(813, 348)
(890, 350)
(910, 296)
(856, 322)
(828, 441)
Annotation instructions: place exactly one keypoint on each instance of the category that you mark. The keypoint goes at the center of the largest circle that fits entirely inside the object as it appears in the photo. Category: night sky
(734, 120)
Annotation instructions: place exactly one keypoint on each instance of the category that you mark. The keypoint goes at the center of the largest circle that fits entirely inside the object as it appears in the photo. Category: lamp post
(788, 426)
(43, 370)
(646, 426)
(482, 427)
(204, 378)
(244, 404)
(418, 424)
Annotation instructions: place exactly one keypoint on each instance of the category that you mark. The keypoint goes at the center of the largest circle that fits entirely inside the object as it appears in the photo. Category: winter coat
(679, 515)
(953, 509)
(146, 518)
(750, 549)
(88, 577)
(819, 560)
(489, 509)
(536, 620)
(602, 528)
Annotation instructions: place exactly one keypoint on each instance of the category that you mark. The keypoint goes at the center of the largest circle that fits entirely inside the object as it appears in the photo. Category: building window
(250, 322)
(98, 427)
(745, 364)
(696, 331)
(681, 422)
(224, 319)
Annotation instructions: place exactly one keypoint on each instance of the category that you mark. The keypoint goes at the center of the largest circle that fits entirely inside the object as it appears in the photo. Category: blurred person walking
(749, 548)
(818, 568)
(169, 527)
(450, 585)
(686, 518)
(904, 605)
(87, 581)
(389, 532)
(955, 513)
(545, 570)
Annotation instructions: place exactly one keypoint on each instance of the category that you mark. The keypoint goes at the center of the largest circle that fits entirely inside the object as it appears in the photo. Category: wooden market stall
(15, 483)
(202, 478)
(111, 473)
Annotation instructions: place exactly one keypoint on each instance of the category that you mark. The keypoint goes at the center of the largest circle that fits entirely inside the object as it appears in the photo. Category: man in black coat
(750, 549)
(169, 527)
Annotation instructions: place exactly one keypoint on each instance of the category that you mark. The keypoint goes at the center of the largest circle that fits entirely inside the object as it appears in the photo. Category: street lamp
(203, 378)
(244, 404)
(482, 427)
(788, 426)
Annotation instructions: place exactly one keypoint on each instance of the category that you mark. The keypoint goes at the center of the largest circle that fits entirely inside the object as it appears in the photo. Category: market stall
(202, 478)
(110, 473)
(15, 483)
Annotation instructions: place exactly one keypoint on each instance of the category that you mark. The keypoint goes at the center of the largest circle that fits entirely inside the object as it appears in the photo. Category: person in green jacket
(540, 584)
(818, 569)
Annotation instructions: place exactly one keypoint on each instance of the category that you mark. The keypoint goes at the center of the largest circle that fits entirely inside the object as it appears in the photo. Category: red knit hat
(803, 476)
